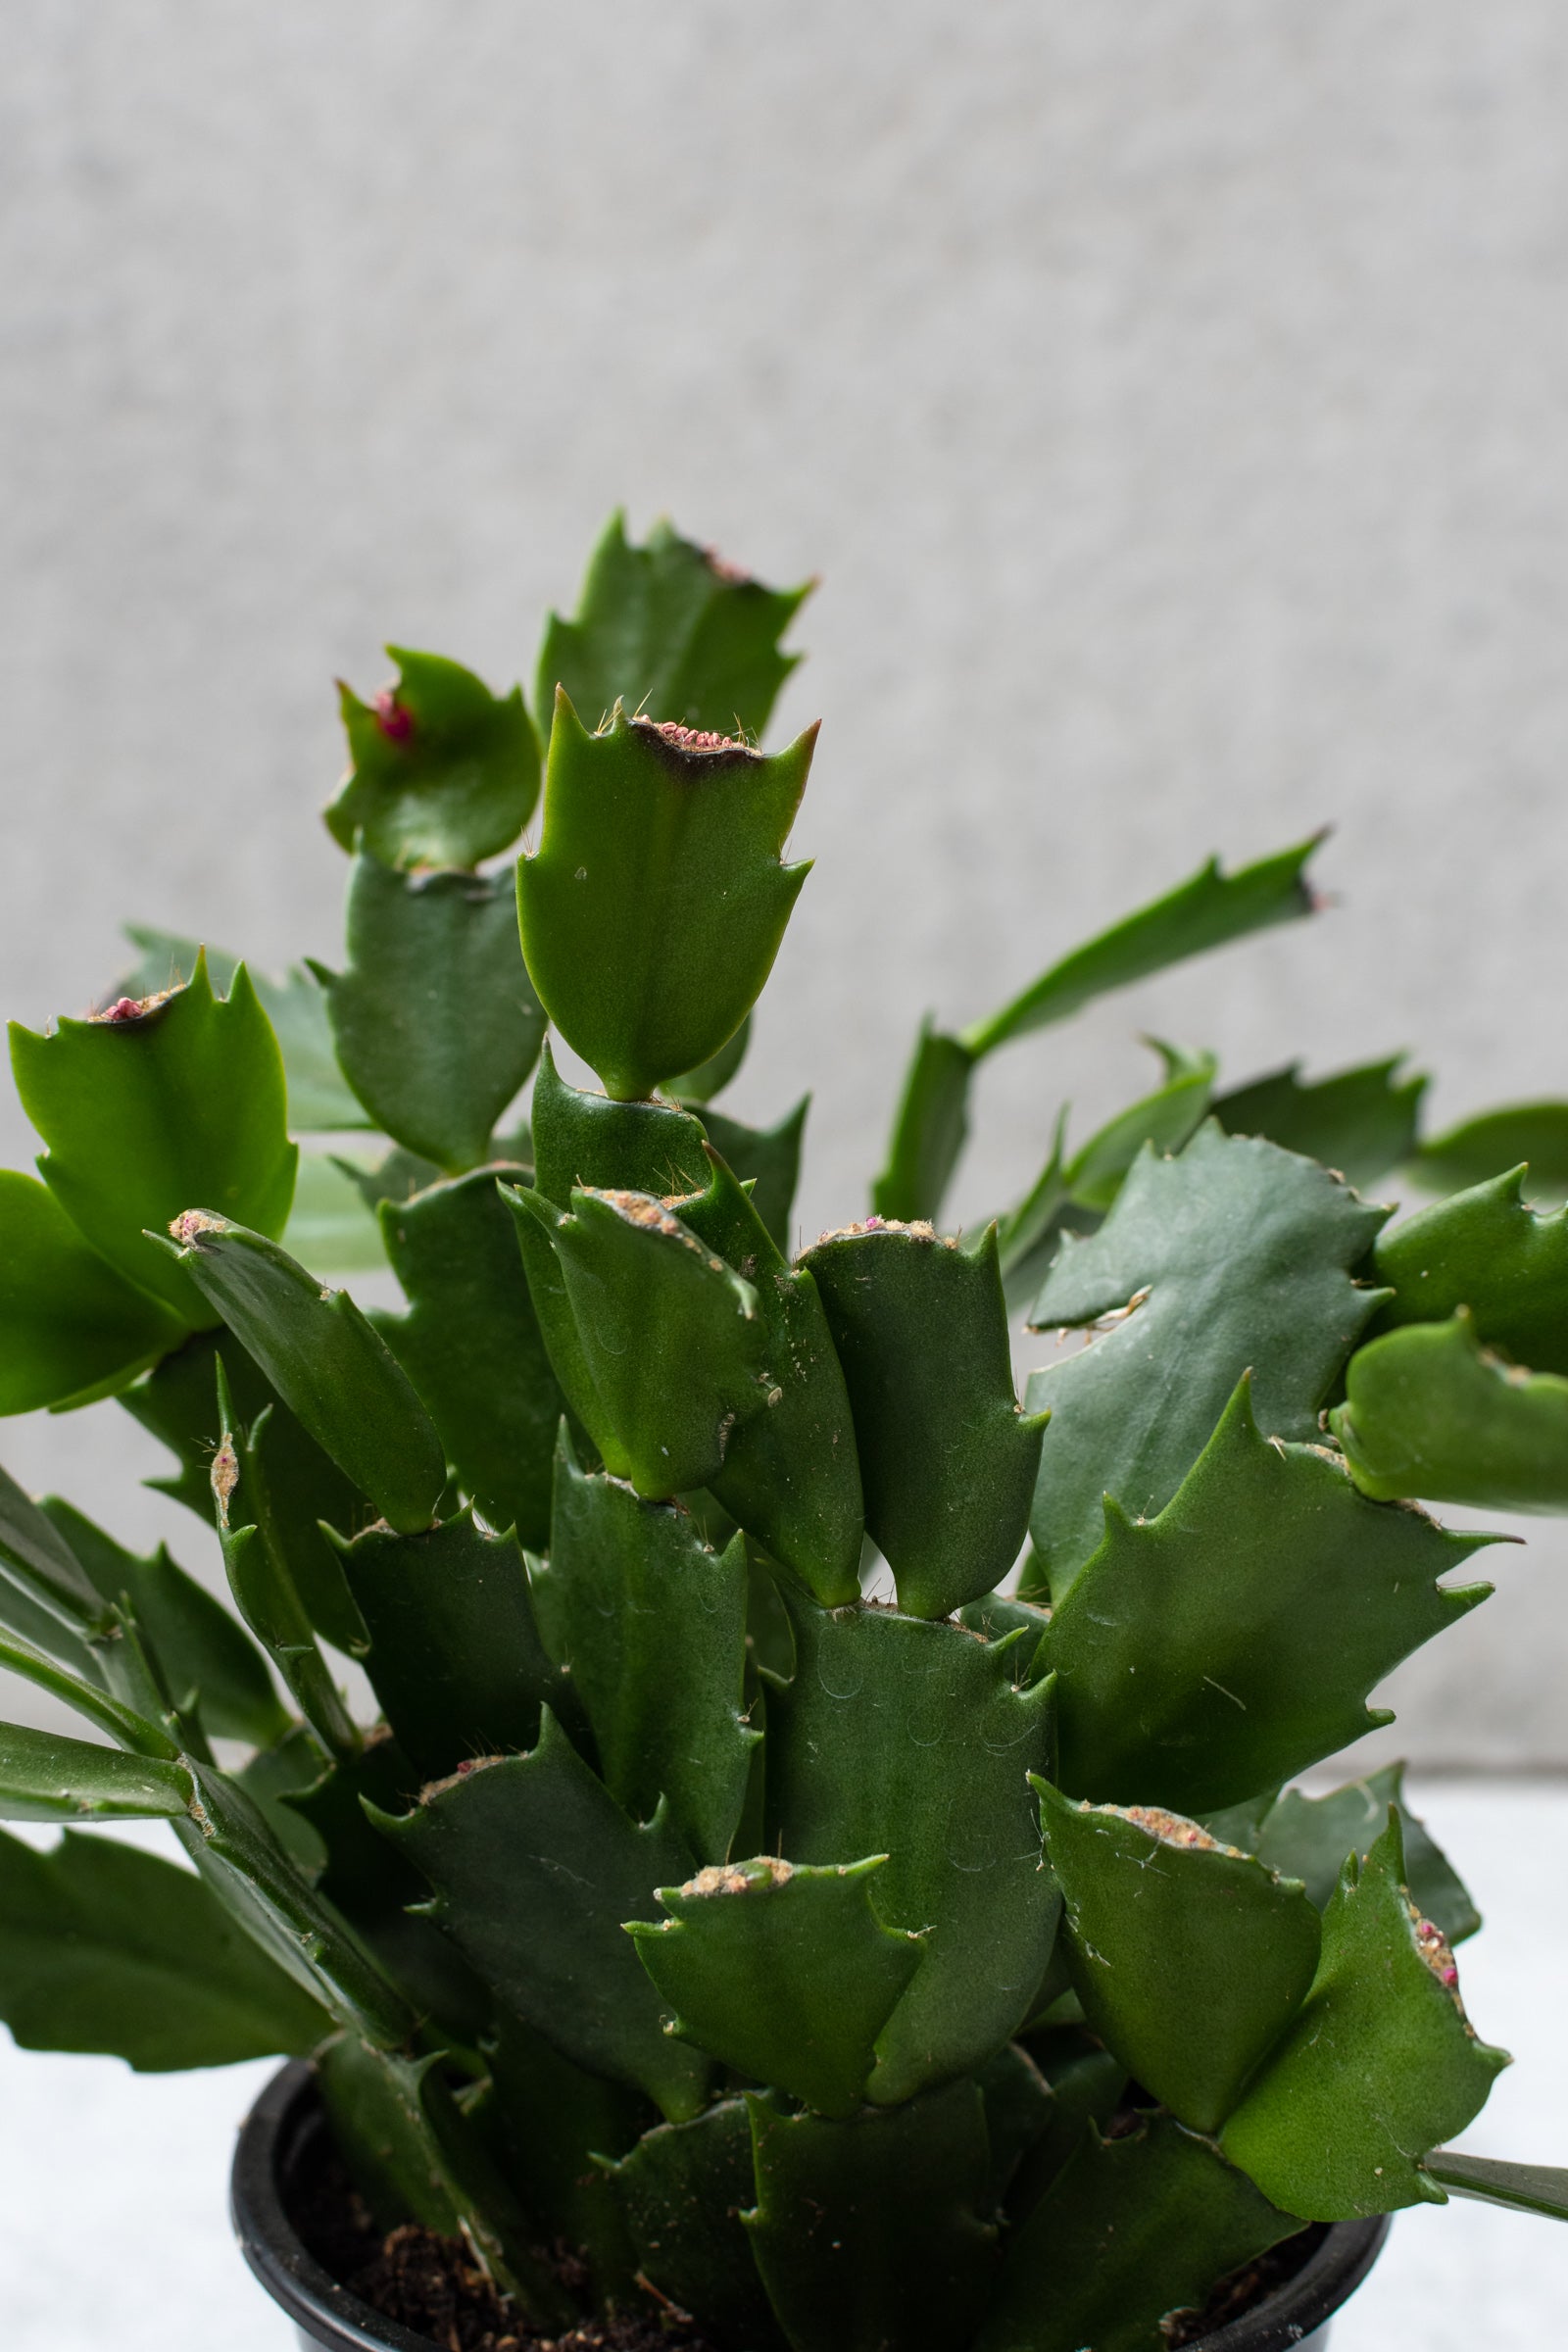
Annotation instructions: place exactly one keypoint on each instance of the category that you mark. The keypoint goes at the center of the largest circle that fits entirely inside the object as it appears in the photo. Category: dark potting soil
(433, 2286)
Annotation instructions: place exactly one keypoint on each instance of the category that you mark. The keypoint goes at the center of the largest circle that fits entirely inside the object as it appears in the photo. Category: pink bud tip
(1451, 1976)
(395, 723)
(123, 1008)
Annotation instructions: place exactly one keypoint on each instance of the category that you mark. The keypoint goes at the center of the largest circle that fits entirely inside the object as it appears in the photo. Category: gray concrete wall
(1172, 400)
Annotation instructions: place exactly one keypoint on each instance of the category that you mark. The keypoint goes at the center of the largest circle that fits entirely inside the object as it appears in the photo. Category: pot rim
(271, 2246)
(315, 2300)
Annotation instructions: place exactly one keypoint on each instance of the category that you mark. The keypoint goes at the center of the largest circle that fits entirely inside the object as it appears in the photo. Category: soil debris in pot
(328, 2212)
(433, 2286)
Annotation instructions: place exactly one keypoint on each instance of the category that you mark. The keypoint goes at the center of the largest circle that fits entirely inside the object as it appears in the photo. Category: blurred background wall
(1174, 402)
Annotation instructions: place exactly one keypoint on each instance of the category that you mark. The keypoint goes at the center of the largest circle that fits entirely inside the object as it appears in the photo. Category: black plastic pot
(278, 2134)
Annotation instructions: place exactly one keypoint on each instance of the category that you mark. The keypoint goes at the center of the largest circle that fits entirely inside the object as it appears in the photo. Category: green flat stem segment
(298, 1496)
(397, 1175)
(1165, 1119)
(177, 1404)
(648, 1624)
(907, 1739)
(791, 1474)
(562, 2129)
(653, 908)
(656, 1344)
(471, 1345)
(260, 1578)
(545, 1931)
(1499, 1140)
(295, 1492)
(1232, 1640)
(1234, 1256)
(585, 1138)
(377, 1890)
(123, 1700)
(272, 1776)
(711, 1077)
(454, 1656)
(331, 1226)
(1359, 1122)
(1522, 2187)
(69, 1325)
(869, 2233)
(931, 1120)
(1029, 1233)
(193, 1640)
(947, 1461)
(1205, 912)
(1087, 2084)
(1073, 1195)
(998, 1616)
(1378, 2066)
(1429, 1411)
(434, 1021)
(319, 1102)
(668, 628)
(1308, 1837)
(444, 772)
(46, 1777)
(766, 1160)
(1133, 2228)
(178, 1103)
(373, 2103)
(75, 1644)
(684, 2188)
(37, 1557)
(269, 1606)
(783, 1972)
(770, 1635)
(239, 1855)
(415, 2153)
(930, 1128)
(112, 1950)
(1020, 2109)
(538, 1224)
(1488, 1250)
(1162, 1927)
(326, 1363)
(158, 1721)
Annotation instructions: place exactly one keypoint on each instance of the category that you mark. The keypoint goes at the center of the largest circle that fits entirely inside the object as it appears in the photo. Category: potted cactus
(760, 1914)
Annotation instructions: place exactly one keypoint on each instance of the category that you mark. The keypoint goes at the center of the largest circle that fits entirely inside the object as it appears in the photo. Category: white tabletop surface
(114, 2230)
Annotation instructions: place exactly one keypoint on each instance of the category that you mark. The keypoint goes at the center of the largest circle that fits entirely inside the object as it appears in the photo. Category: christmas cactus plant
(752, 1897)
